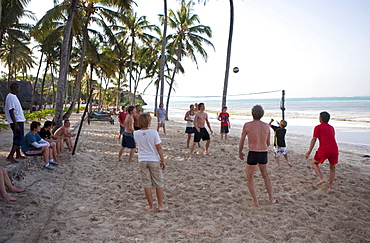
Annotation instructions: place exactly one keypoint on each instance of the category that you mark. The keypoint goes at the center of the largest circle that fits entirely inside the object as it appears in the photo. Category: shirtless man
(136, 117)
(128, 140)
(200, 119)
(258, 134)
(63, 132)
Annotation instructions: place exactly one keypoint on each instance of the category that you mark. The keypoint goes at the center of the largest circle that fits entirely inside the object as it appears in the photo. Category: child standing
(225, 123)
(161, 115)
(328, 148)
(279, 141)
(151, 161)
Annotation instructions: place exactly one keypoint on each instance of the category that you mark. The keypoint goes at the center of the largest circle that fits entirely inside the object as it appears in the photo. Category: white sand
(93, 198)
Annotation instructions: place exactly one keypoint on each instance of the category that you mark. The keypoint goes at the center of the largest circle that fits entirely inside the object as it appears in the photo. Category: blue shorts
(190, 130)
(255, 158)
(18, 136)
(128, 140)
(121, 129)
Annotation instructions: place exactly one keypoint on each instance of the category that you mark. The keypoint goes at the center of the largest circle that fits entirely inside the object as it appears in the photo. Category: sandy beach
(91, 197)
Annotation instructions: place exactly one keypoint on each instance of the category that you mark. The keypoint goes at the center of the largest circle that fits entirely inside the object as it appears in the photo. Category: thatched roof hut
(24, 96)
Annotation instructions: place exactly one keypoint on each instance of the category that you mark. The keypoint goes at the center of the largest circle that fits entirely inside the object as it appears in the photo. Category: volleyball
(235, 69)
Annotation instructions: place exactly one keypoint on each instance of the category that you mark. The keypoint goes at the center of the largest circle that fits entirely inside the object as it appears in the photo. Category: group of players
(258, 134)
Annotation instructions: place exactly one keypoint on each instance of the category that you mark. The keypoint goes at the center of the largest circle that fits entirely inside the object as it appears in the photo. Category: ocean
(350, 116)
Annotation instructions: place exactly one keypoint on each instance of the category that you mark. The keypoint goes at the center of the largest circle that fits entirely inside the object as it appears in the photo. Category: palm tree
(163, 52)
(136, 27)
(188, 40)
(226, 80)
(16, 55)
(92, 10)
(229, 43)
(64, 63)
(11, 12)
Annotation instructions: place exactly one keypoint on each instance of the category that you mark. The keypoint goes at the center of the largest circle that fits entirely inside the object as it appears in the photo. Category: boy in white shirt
(151, 161)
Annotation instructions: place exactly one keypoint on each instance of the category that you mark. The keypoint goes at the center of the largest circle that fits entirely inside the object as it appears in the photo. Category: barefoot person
(161, 115)
(200, 119)
(258, 134)
(63, 132)
(189, 118)
(128, 140)
(6, 183)
(151, 162)
(14, 115)
(223, 117)
(328, 148)
(279, 142)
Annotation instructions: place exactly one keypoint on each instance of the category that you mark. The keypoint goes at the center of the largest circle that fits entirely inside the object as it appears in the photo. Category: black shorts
(190, 130)
(128, 140)
(137, 128)
(18, 136)
(224, 129)
(255, 158)
(203, 134)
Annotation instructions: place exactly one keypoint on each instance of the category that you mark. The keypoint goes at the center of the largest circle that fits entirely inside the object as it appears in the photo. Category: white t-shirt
(147, 140)
(12, 102)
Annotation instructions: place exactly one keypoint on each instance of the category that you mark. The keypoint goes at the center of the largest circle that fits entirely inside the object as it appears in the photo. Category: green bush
(3, 123)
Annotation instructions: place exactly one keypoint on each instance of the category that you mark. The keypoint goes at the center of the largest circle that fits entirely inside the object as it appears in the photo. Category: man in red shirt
(328, 148)
(122, 117)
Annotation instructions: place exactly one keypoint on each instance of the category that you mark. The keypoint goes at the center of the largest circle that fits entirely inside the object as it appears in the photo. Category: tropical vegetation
(98, 47)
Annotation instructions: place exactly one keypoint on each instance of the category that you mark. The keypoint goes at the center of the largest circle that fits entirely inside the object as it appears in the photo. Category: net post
(282, 105)
(82, 120)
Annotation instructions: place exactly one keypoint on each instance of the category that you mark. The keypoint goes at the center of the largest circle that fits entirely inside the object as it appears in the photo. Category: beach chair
(93, 116)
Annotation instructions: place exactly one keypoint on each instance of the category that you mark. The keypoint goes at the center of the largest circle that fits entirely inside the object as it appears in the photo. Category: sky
(310, 48)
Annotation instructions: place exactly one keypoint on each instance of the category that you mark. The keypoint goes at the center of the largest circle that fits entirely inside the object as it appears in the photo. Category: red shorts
(322, 156)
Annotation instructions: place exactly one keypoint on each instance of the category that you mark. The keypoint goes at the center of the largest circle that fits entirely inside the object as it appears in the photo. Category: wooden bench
(99, 117)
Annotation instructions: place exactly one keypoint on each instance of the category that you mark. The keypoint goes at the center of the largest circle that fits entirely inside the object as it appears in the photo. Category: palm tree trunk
(163, 52)
(80, 69)
(171, 84)
(118, 101)
(42, 85)
(64, 64)
(224, 95)
(34, 86)
(131, 57)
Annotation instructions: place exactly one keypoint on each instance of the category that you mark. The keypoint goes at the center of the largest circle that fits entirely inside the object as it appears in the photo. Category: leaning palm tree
(188, 39)
(64, 63)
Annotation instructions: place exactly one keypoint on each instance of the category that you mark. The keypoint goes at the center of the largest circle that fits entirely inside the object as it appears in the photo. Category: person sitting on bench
(34, 145)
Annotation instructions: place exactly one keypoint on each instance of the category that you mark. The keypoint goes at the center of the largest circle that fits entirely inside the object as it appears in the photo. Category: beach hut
(24, 96)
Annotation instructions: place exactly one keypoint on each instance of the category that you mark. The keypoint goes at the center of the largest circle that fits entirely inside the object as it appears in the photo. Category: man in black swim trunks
(200, 119)
(258, 134)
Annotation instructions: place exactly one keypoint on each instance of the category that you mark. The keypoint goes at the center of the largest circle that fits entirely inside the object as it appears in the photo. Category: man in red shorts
(328, 148)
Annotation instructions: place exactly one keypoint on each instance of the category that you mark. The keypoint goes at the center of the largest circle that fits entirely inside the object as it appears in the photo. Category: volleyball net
(238, 104)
